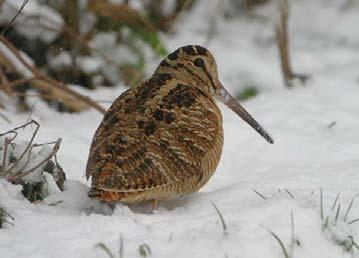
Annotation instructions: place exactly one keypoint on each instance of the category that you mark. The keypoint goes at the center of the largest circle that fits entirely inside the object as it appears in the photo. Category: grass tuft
(331, 222)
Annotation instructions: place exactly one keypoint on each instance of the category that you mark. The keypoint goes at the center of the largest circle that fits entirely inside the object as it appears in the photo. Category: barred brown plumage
(164, 137)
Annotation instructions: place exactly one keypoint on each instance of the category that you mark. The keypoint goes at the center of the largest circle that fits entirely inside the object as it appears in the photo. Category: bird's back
(156, 141)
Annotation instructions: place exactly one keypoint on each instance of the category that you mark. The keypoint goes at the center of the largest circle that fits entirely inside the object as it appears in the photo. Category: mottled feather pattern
(158, 140)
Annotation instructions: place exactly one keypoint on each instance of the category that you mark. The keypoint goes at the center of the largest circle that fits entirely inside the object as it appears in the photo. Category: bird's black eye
(199, 62)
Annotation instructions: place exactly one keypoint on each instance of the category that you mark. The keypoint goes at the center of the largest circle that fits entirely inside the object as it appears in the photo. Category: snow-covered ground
(310, 152)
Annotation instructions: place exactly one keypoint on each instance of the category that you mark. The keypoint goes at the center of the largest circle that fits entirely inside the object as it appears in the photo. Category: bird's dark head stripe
(173, 55)
(190, 50)
(164, 63)
(201, 50)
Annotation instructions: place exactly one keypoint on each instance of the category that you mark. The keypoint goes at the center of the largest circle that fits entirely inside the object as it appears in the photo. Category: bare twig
(5, 118)
(17, 128)
(24, 3)
(48, 97)
(4, 157)
(28, 147)
(15, 83)
(283, 47)
(53, 26)
(5, 82)
(53, 152)
(30, 112)
(51, 82)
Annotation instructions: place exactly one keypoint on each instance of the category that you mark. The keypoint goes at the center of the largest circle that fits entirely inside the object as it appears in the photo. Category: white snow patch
(307, 155)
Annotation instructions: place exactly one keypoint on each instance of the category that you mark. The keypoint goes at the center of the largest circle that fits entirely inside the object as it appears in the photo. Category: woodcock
(163, 138)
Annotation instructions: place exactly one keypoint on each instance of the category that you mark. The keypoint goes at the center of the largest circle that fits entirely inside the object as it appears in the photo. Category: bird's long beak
(233, 104)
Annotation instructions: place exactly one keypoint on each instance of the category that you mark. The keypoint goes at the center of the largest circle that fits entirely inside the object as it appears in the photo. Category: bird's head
(195, 63)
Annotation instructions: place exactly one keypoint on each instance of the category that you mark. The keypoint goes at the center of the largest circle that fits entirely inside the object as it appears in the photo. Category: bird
(163, 138)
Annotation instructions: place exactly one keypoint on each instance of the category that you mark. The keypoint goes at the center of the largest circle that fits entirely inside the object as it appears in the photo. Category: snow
(307, 155)
(31, 16)
(19, 67)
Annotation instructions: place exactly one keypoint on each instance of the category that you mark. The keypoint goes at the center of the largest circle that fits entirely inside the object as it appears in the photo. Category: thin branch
(52, 82)
(28, 147)
(4, 157)
(45, 96)
(53, 26)
(5, 82)
(53, 152)
(17, 128)
(30, 112)
(18, 82)
(5, 118)
(282, 38)
(24, 3)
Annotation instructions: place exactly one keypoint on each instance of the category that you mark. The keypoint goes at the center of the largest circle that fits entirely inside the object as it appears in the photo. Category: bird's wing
(153, 135)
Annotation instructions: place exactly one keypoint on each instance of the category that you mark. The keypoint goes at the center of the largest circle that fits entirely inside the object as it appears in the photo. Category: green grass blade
(292, 233)
(349, 207)
(276, 237)
(103, 247)
(225, 230)
(259, 194)
(335, 201)
(120, 250)
(289, 193)
(337, 214)
(321, 204)
(144, 250)
(353, 221)
(326, 223)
